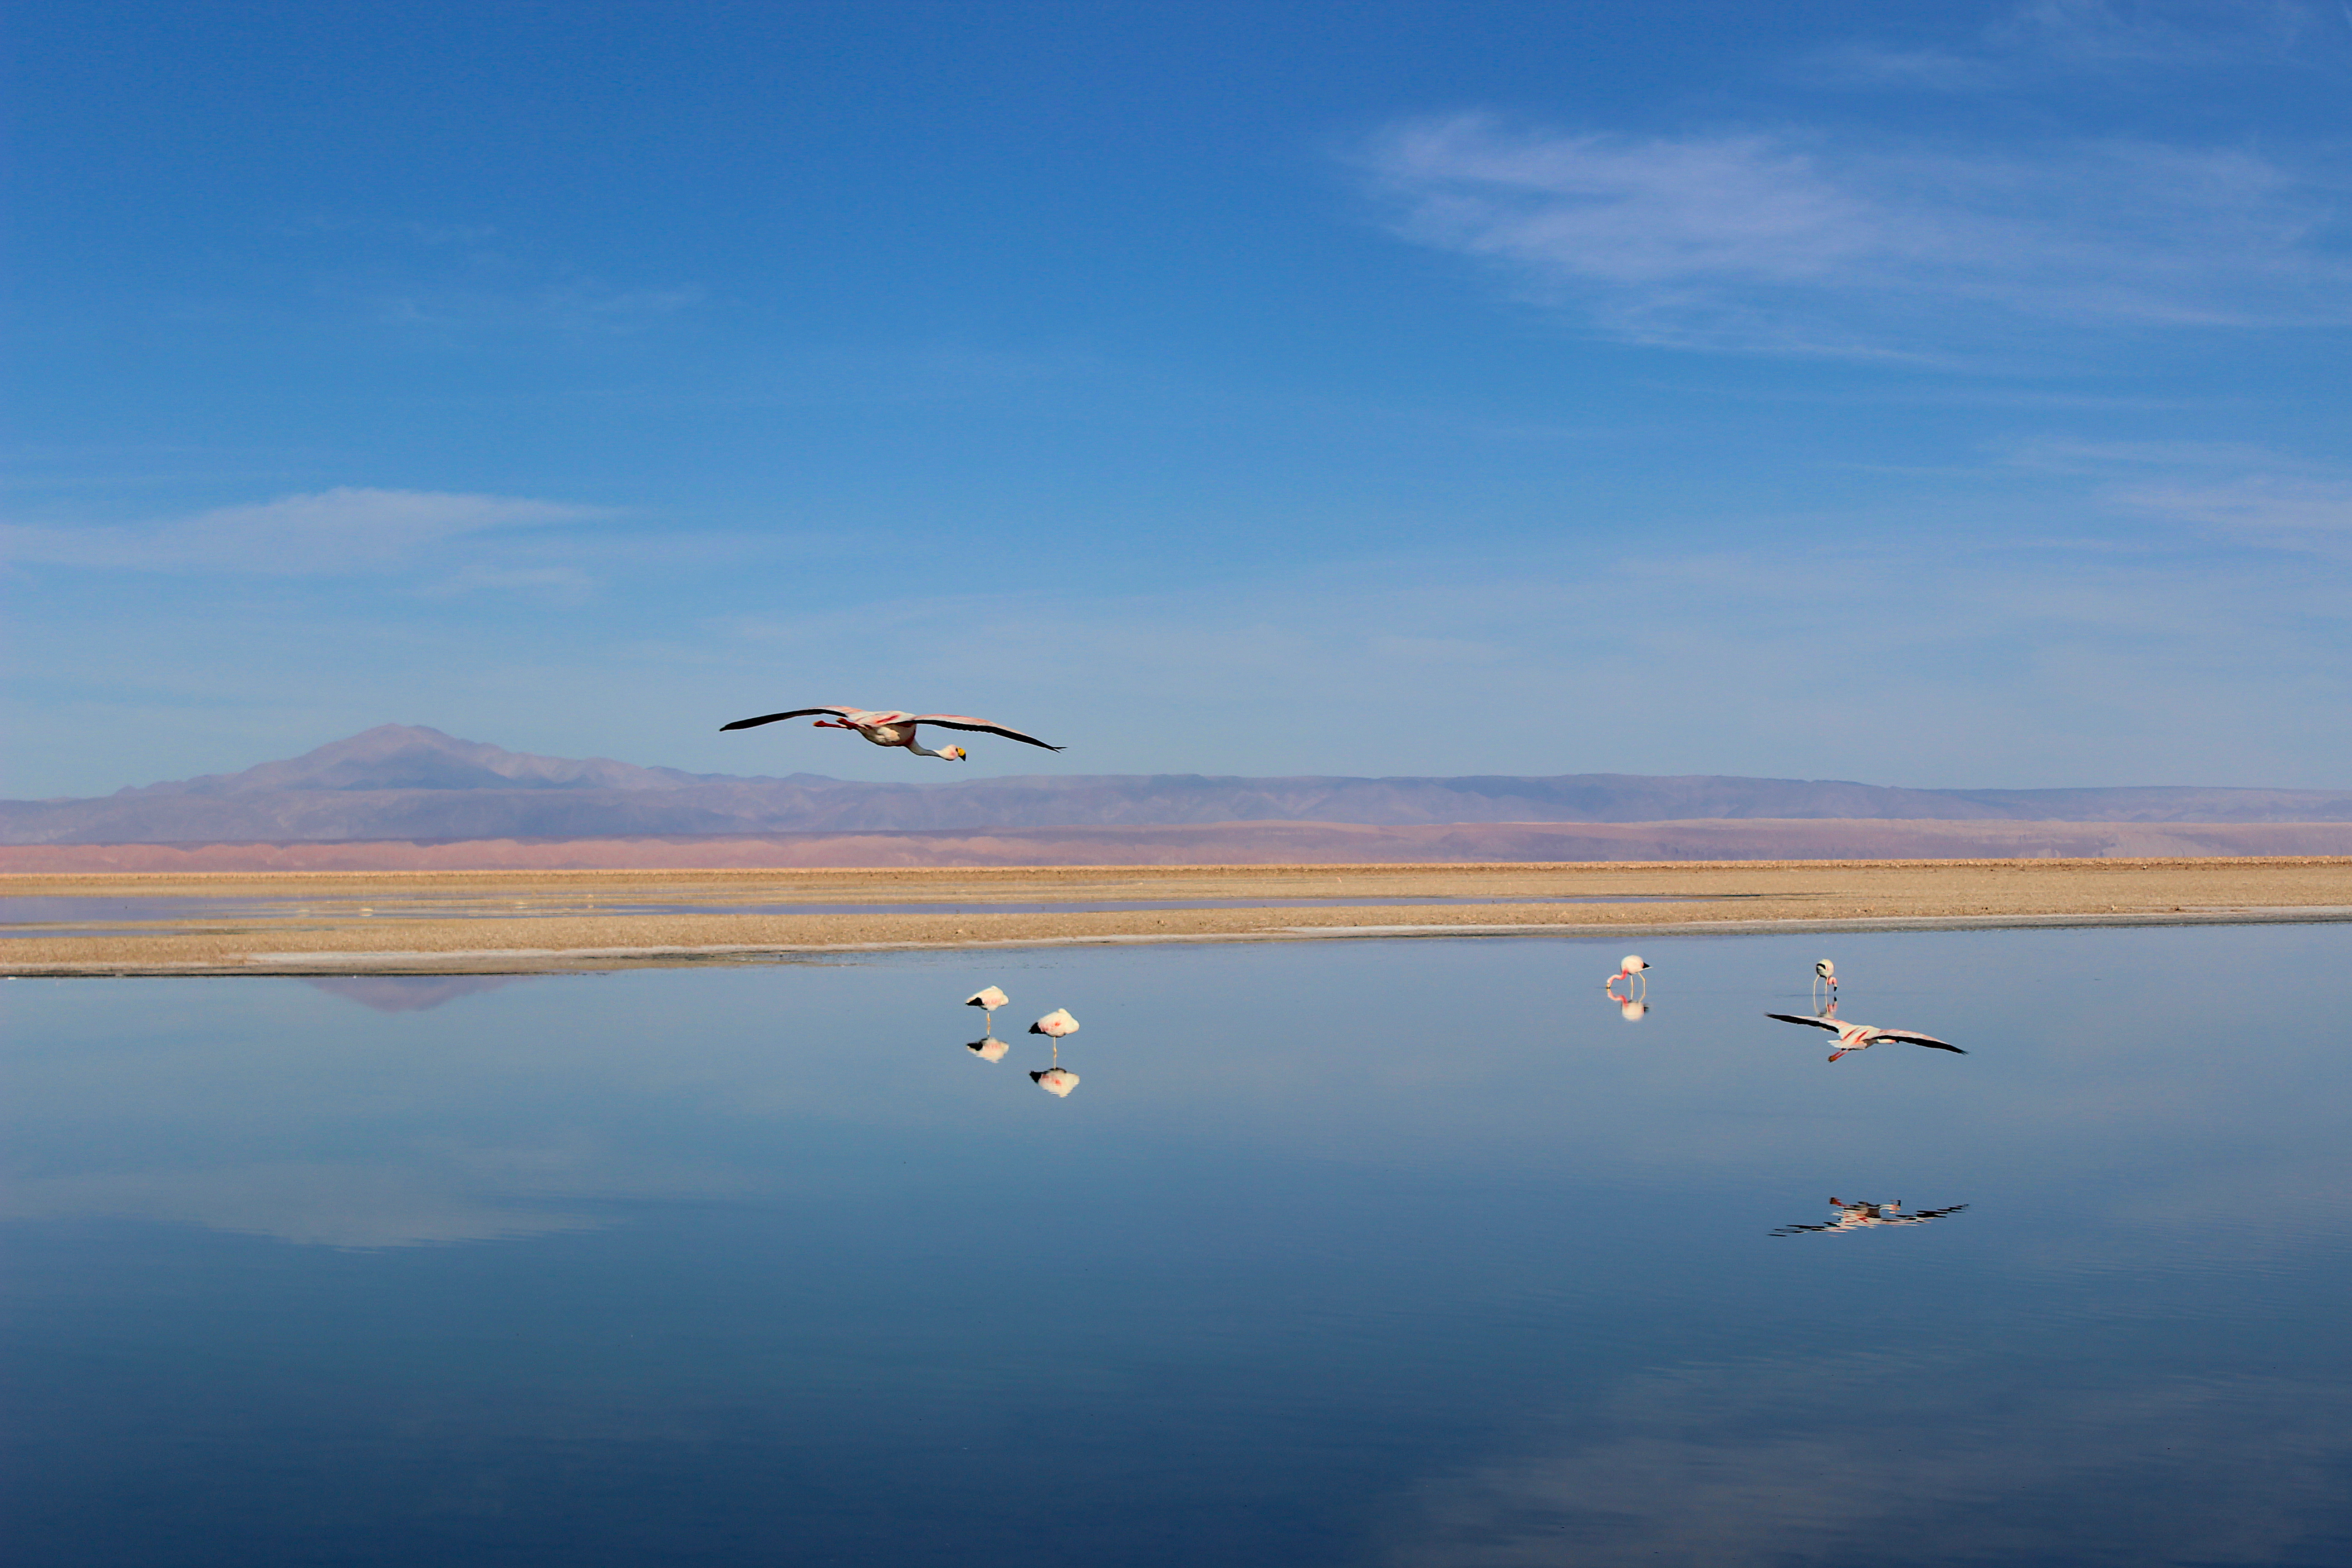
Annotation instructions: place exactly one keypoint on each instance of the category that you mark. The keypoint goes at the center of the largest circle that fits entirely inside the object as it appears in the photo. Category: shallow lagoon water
(1373, 1252)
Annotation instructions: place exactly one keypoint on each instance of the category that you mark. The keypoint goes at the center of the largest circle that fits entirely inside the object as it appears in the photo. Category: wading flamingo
(987, 998)
(1824, 973)
(1054, 1025)
(1633, 967)
(888, 727)
(988, 1047)
(1853, 1038)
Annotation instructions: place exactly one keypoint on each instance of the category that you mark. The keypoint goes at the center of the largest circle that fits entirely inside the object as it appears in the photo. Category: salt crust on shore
(509, 921)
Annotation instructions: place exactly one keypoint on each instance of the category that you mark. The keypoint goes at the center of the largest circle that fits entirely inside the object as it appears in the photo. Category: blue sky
(1938, 395)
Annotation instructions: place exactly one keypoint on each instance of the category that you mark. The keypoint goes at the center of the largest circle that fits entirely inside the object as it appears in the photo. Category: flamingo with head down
(889, 727)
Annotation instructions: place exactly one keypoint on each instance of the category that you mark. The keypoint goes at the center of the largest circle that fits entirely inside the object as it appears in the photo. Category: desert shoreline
(529, 921)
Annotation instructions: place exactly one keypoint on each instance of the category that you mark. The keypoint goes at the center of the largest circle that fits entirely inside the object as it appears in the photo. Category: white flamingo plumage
(1824, 973)
(1853, 1038)
(1054, 1025)
(988, 1047)
(889, 727)
(1633, 966)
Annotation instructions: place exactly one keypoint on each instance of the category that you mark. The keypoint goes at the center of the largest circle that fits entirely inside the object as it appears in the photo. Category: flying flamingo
(1862, 1037)
(1634, 966)
(888, 727)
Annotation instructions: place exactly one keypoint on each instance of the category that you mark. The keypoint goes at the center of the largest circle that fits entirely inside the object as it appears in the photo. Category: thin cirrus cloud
(2045, 39)
(2243, 494)
(338, 533)
(1802, 244)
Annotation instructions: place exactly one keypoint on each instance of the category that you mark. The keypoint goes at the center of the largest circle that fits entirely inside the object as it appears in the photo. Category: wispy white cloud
(1803, 243)
(337, 532)
(2073, 38)
(2247, 494)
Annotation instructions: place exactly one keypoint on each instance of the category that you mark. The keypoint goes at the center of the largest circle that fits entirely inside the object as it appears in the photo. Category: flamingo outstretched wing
(1930, 1041)
(1831, 1024)
(966, 721)
(795, 713)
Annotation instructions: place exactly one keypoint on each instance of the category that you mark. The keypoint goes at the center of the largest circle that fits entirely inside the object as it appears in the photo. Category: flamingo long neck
(925, 752)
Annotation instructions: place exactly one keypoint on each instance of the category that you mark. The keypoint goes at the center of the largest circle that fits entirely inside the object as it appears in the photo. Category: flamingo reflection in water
(1852, 1038)
(1869, 1216)
(1056, 1081)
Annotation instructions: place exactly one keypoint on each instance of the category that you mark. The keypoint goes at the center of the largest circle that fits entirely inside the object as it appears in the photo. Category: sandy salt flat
(507, 921)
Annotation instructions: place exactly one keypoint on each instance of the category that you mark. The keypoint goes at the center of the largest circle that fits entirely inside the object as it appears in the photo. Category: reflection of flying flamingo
(1824, 973)
(1634, 966)
(1862, 1037)
(1865, 1217)
(888, 727)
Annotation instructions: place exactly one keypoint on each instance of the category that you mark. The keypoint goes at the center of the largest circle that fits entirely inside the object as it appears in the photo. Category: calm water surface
(1371, 1253)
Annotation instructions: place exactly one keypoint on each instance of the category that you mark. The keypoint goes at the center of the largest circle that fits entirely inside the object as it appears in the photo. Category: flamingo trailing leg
(889, 727)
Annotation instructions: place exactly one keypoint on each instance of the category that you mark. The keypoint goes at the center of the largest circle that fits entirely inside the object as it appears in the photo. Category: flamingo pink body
(892, 727)
(1852, 1038)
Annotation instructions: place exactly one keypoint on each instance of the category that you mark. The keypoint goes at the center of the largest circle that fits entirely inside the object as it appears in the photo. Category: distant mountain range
(402, 782)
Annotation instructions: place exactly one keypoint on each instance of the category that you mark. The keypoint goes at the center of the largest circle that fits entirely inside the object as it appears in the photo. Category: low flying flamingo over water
(888, 727)
(1853, 1038)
